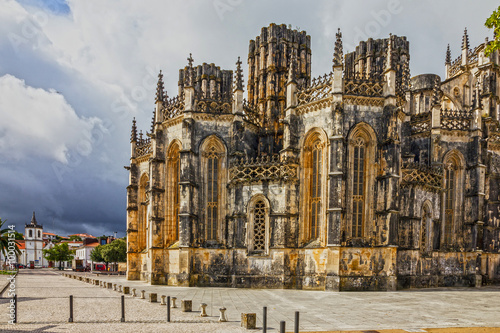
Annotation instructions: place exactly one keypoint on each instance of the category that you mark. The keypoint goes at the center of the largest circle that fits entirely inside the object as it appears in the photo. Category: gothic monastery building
(361, 179)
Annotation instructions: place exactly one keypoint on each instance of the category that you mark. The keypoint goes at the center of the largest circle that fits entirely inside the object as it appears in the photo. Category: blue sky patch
(54, 6)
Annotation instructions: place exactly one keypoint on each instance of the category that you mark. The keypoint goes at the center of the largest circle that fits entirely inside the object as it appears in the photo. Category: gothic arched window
(172, 197)
(143, 212)
(358, 193)
(314, 183)
(361, 149)
(453, 193)
(426, 228)
(258, 227)
(212, 193)
(213, 165)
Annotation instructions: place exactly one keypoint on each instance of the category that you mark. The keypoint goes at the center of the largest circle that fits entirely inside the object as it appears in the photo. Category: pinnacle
(448, 56)
(160, 88)
(338, 52)
(435, 93)
(465, 40)
(133, 136)
(239, 75)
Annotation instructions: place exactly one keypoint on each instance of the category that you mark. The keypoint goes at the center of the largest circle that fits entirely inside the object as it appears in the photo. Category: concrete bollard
(143, 292)
(109, 285)
(126, 290)
(248, 320)
(222, 317)
(203, 307)
(114, 286)
(173, 302)
(163, 300)
(120, 288)
(153, 297)
(186, 305)
(133, 292)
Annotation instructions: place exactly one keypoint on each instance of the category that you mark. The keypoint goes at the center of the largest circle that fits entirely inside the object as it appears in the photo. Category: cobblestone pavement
(43, 304)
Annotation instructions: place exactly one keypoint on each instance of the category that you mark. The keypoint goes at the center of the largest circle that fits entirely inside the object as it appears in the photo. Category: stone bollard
(186, 305)
(133, 292)
(143, 292)
(114, 286)
(109, 285)
(248, 320)
(173, 302)
(222, 317)
(120, 288)
(153, 297)
(203, 307)
(163, 300)
(126, 290)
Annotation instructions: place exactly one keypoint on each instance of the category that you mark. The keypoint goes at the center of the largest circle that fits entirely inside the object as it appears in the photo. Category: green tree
(6, 233)
(115, 252)
(493, 22)
(59, 253)
(75, 238)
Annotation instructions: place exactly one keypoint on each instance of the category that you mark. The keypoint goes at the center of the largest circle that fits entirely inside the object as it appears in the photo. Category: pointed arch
(142, 226)
(453, 184)
(214, 172)
(362, 144)
(426, 227)
(172, 198)
(258, 232)
(313, 189)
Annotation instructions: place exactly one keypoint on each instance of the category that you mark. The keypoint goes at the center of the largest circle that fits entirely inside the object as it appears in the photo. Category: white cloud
(37, 122)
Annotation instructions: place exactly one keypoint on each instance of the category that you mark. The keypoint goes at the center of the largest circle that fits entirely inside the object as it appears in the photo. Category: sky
(74, 73)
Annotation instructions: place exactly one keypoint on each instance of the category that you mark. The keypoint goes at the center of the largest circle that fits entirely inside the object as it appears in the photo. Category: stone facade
(360, 179)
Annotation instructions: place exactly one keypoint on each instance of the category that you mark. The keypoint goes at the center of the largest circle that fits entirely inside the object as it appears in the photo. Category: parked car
(20, 266)
(99, 267)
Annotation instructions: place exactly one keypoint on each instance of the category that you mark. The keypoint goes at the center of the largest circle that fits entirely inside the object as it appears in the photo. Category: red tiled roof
(93, 244)
(21, 244)
(49, 233)
(82, 235)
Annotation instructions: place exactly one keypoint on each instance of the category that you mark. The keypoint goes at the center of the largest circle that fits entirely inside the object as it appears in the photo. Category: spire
(448, 56)
(188, 78)
(159, 88)
(465, 40)
(153, 121)
(133, 136)
(140, 137)
(435, 93)
(338, 51)
(239, 75)
(406, 80)
(388, 63)
(33, 219)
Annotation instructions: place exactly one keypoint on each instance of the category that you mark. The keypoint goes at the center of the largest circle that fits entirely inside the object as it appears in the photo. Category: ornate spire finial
(406, 77)
(465, 40)
(448, 56)
(153, 121)
(435, 93)
(33, 219)
(159, 89)
(388, 62)
(133, 135)
(189, 73)
(140, 136)
(239, 75)
(338, 52)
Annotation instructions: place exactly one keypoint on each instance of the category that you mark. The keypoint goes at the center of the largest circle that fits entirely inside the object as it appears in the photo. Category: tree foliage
(493, 22)
(75, 238)
(116, 251)
(96, 254)
(5, 233)
(59, 253)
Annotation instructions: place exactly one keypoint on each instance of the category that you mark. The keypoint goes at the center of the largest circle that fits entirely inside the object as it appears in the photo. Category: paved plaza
(44, 298)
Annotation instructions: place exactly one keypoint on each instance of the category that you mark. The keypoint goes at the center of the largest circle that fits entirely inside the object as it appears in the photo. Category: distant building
(84, 251)
(34, 245)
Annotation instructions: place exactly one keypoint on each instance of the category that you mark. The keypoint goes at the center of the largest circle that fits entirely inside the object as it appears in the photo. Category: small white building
(34, 245)
(83, 253)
